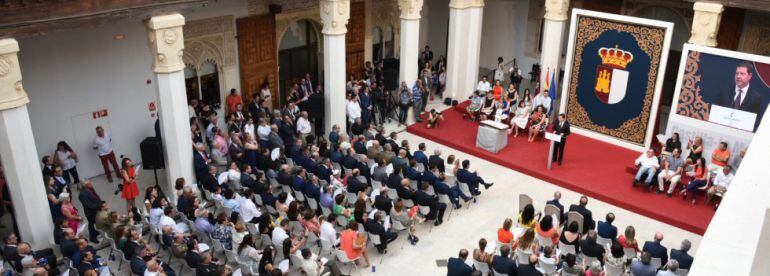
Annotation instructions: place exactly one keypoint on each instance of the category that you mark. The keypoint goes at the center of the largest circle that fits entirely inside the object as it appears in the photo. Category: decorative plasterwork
(210, 38)
(166, 42)
(756, 37)
(464, 4)
(12, 93)
(556, 9)
(410, 9)
(705, 24)
(335, 15)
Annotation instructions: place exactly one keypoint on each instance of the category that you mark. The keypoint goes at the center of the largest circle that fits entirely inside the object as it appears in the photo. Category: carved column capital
(556, 10)
(464, 4)
(335, 15)
(410, 9)
(166, 42)
(705, 23)
(12, 93)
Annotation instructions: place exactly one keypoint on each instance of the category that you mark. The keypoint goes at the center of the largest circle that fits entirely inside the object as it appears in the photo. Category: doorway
(297, 56)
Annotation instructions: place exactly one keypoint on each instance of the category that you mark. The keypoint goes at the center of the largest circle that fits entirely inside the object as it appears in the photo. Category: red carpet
(591, 167)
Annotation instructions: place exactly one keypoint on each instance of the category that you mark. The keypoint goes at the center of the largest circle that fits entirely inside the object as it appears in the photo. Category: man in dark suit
(313, 189)
(529, 269)
(255, 108)
(464, 175)
(209, 180)
(656, 249)
(394, 179)
(47, 166)
(248, 181)
(457, 266)
(555, 202)
(741, 96)
(284, 176)
(298, 180)
(364, 170)
(681, 256)
(436, 160)
(382, 202)
(420, 156)
(201, 160)
(60, 181)
(349, 161)
(375, 227)
(605, 228)
(404, 191)
(68, 246)
(92, 203)
(454, 193)
(590, 248)
(355, 186)
(437, 208)
(324, 169)
(561, 128)
(502, 264)
(588, 220)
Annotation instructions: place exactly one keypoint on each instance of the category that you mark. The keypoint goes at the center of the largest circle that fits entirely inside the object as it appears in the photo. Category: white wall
(434, 26)
(71, 73)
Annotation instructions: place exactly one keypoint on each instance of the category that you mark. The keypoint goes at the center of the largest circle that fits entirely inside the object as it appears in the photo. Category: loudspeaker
(275, 9)
(152, 153)
(315, 105)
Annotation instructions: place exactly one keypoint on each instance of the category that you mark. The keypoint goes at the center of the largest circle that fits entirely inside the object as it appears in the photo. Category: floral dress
(224, 234)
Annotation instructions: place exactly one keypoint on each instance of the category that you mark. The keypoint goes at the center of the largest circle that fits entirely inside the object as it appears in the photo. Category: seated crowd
(569, 243)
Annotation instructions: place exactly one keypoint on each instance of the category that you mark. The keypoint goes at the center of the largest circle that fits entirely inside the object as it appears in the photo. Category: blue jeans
(650, 173)
(692, 188)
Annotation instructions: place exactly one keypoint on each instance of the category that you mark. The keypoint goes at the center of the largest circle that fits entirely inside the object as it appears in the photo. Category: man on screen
(741, 97)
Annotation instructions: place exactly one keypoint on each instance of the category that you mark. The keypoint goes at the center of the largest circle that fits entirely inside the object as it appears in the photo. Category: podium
(492, 136)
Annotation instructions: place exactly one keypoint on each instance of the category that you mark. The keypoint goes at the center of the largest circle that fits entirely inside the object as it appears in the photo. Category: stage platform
(591, 167)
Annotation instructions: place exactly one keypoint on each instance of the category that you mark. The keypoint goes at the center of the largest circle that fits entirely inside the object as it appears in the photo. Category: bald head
(556, 195)
(658, 237)
(533, 259)
(463, 254)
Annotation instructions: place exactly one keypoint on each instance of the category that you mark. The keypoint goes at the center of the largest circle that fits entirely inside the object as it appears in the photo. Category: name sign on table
(731, 117)
(553, 137)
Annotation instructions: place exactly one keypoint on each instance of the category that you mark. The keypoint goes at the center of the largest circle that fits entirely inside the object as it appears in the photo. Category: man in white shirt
(103, 145)
(249, 211)
(280, 233)
(328, 232)
(543, 99)
(263, 130)
(166, 220)
(303, 126)
(484, 86)
(354, 109)
(647, 163)
(721, 182)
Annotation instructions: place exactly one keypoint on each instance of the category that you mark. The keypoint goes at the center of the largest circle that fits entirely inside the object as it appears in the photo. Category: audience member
(605, 229)
(681, 256)
(643, 266)
(655, 249)
(588, 220)
(457, 266)
(648, 165)
(671, 171)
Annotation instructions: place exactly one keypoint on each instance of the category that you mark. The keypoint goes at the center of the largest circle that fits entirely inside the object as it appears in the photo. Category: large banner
(615, 67)
(720, 96)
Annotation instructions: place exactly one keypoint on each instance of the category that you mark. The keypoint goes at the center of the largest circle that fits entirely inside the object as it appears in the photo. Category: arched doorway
(680, 36)
(377, 44)
(203, 83)
(387, 42)
(297, 55)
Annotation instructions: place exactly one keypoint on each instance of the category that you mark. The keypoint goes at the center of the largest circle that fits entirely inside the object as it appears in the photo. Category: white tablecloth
(491, 139)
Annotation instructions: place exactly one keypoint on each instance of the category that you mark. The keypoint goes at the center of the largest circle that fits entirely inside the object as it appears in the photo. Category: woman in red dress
(130, 189)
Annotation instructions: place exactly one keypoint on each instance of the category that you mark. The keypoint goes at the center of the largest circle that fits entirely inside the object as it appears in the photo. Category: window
(209, 83)
(377, 44)
(387, 41)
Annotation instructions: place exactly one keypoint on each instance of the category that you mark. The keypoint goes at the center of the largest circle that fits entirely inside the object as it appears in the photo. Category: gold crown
(615, 57)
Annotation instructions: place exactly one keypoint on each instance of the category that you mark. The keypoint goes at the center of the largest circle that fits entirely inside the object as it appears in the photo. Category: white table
(492, 136)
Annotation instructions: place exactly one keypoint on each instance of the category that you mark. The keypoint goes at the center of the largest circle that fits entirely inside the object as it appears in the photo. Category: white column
(705, 23)
(553, 31)
(465, 19)
(335, 15)
(19, 155)
(167, 46)
(409, 45)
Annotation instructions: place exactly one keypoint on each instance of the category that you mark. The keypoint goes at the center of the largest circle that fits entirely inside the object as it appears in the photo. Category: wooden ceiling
(21, 18)
(757, 5)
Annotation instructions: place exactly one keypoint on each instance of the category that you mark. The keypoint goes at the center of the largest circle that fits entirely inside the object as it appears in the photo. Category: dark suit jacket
(684, 259)
(606, 230)
(355, 186)
(298, 183)
(423, 199)
(193, 258)
(349, 162)
(457, 267)
(656, 250)
(209, 182)
(312, 191)
(562, 130)
(383, 203)
(249, 182)
(504, 265)
(420, 157)
(90, 203)
(323, 173)
(47, 171)
(285, 179)
(374, 227)
(201, 167)
(394, 181)
(138, 266)
(588, 220)
(592, 249)
(436, 161)
(528, 270)
(67, 248)
(404, 193)
(751, 102)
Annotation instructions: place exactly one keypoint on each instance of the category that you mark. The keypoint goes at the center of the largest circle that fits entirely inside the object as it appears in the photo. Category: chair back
(523, 201)
(551, 209)
(299, 196)
(424, 210)
(495, 272)
(629, 252)
(312, 203)
(587, 261)
(481, 266)
(253, 229)
(613, 270)
(464, 188)
(271, 210)
(376, 185)
(543, 241)
(397, 225)
(326, 246)
(445, 199)
(217, 245)
(564, 273)
(682, 272)
(258, 200)
(408, 203)
(392, 194)
(342, 256)
(566, 248)
(576, 217)
(351, 197)
(547, 268)
(606, 243)
(657, 262)
(374, 238)
(238, 272)
(325, 211)
(231, 257)
(522, 257)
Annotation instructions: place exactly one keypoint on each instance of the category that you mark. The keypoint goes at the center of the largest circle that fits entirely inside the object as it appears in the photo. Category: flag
(552, 88)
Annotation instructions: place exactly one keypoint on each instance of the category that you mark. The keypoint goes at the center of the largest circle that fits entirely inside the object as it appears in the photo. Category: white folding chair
(587, 261)
(407, 203)
(606, 243)
(326, 247)
(576, 217)
(630, 253)
(682, 272)
(523, 201)
(342, 257)
(547, 268)
(613, 270)
(231, 257)
(375, 239)
(466, 190)
(657, 262)
(566, 249)
(551, 209)
(481, 266)
(543, 241)
(522, 257)
(445, 199)
(351, 197)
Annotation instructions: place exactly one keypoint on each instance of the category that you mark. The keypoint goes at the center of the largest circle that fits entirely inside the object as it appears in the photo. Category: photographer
(434, 117)
(404, 101)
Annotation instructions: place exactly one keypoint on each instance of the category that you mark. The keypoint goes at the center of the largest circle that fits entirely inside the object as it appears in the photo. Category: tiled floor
(464, 228)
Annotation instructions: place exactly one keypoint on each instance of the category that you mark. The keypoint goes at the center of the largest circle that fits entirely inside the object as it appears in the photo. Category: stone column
(465, 18)
(335, 15)
(410, 38)
(167, 45)
(705, 23)
(553, 31)
(19, 155)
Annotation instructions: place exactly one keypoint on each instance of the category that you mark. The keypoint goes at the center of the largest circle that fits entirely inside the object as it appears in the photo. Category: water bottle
(374, 268)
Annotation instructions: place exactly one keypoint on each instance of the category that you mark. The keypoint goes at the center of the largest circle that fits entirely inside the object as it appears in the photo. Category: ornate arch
(198, 51)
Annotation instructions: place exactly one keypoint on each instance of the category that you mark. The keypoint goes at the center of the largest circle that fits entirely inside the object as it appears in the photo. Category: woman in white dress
(247, 253)
(519, 120)
(527, 98)
(265, 94)
(67, 159)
